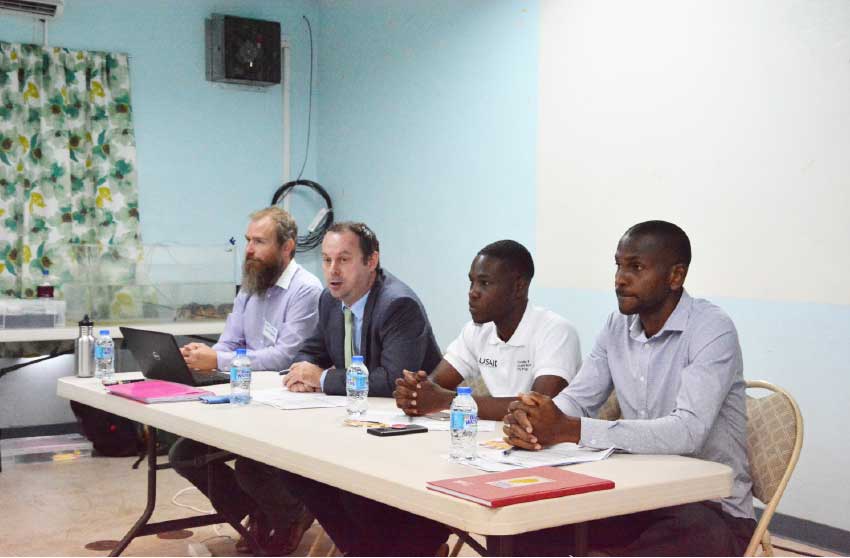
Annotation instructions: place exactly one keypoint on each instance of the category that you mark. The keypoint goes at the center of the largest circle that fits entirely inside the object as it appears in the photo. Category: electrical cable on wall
(324, 217)
(309, 100)
(321, 222)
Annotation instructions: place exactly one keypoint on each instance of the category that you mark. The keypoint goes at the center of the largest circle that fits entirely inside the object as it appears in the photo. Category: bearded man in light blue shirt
(275, 310)
(277, 306)
(675, 363)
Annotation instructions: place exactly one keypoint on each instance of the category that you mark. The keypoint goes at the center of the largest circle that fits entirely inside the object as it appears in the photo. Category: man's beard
(258, 276)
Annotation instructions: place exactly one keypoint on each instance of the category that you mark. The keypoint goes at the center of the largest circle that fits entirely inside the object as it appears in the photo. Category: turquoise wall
(428, 133)
(208, 154)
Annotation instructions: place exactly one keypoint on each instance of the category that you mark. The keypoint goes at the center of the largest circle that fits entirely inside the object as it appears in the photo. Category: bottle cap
(464, 390)
(86, 321)
(104, 332)
(45, 271)
(357, 358)
(241, 352)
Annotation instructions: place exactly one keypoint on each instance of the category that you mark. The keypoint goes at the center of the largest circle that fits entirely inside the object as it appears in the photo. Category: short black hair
(367, 239)
(514, 254)
(671, 237)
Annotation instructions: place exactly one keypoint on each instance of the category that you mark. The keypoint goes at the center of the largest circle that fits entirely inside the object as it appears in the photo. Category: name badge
(269, 331)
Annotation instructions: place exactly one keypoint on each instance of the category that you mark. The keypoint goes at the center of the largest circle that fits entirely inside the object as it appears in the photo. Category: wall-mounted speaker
(243, 51)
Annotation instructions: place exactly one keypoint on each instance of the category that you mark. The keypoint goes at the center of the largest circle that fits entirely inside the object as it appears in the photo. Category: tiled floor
(57, 507)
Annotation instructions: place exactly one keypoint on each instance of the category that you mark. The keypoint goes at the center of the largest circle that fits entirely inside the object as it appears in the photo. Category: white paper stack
(290, 400)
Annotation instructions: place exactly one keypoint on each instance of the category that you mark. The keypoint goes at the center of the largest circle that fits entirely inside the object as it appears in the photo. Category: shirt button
(643, 413)
(642, 379)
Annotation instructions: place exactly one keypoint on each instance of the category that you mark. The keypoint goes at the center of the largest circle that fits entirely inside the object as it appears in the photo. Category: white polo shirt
(544, 344)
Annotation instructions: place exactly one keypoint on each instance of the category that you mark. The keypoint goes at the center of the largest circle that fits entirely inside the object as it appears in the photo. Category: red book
(157, 391)
(520, 485)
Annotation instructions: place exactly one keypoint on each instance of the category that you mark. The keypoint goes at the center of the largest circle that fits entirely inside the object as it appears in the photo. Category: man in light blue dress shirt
(675, 363)
(276, 308)
(277, 304)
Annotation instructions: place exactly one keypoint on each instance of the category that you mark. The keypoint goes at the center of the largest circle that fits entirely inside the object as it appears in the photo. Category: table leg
(142, 527)
(504, 545)
(498, 545)
(151, 503)
(580, 539)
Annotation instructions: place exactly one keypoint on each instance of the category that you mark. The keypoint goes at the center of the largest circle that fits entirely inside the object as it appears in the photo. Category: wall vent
(242, 51)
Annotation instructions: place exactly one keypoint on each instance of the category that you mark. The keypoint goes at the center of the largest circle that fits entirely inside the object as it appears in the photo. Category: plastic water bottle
(240, 378)
(356, 387)
(104, 358)
(464, 425)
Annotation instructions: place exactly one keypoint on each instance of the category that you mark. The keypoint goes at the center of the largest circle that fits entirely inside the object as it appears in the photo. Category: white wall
(730, 118)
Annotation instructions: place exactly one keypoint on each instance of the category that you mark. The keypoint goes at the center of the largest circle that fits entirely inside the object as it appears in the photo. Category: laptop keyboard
(207, 379)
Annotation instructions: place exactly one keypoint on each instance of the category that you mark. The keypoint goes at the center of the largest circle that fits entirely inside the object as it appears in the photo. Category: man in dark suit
(387, 323)
(388, 326)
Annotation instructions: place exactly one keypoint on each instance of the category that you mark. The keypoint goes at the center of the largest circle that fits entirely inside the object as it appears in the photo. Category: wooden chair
(610, 410)
(774, 440)
(317, 543)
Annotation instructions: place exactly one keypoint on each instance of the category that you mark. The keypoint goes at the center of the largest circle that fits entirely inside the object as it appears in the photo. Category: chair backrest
(774, 440)
(610, 410)
(478, 386)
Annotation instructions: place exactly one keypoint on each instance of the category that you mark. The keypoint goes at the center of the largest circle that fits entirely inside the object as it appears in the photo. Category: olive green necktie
(349, 338)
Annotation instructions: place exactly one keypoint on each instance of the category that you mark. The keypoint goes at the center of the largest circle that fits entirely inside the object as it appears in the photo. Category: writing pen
(508, 451)
(284, 372)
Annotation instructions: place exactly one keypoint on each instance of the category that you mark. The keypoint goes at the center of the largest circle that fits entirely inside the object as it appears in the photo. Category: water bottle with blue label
(240, 378)
(464, 425)
(104, 358)
(356, 387)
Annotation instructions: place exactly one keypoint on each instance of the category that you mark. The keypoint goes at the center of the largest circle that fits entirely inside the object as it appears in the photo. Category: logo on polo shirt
(523, 365)
(491, 362)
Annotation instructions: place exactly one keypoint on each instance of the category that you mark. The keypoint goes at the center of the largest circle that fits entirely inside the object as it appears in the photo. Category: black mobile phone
(397, 430)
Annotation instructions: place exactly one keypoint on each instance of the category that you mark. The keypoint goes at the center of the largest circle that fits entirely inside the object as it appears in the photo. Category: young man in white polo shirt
(512, 345)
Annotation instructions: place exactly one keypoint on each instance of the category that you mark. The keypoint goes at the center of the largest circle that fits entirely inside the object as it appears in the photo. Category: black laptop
(159, 358)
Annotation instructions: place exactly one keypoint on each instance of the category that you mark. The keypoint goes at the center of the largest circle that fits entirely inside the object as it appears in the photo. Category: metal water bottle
(84, 349)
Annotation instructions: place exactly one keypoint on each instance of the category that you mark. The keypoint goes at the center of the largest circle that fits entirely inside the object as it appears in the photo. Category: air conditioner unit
(39, 9)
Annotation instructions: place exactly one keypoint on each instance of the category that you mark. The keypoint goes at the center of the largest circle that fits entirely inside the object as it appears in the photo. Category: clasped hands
(303, 377)
(533, 422)
(199, 356)
(417, 395)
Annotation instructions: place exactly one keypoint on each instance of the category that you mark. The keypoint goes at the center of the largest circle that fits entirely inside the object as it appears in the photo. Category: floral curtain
(68, 187)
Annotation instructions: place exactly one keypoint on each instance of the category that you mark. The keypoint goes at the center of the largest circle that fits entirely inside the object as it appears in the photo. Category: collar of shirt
(677, 320)
(521, 333)
(286, 277)
(358, 307)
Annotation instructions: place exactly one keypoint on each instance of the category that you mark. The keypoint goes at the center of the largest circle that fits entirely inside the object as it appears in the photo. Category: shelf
(198, 327)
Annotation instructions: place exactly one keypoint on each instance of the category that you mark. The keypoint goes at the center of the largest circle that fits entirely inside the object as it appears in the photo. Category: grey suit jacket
(396, 335)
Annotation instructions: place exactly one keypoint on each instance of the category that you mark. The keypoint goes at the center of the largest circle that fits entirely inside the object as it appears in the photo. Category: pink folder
(157, 391)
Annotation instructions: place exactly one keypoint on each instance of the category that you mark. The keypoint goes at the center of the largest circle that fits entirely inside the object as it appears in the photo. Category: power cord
(324, 217)
(216, 528)
(309, 99)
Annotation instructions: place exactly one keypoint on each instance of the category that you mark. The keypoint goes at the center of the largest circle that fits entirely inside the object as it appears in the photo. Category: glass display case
(17, 313)
(153, 282)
